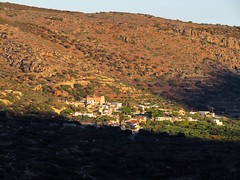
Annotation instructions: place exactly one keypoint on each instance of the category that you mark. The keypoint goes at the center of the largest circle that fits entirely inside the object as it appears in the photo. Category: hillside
(126, 57)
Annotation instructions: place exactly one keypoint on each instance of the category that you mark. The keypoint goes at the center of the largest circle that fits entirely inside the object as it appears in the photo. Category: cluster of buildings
(99, 105)
(212, 115)
(134, 123)
(96, 106)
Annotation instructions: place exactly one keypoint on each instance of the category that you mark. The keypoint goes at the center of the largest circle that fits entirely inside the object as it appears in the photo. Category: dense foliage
(53, 148)
(201, 129)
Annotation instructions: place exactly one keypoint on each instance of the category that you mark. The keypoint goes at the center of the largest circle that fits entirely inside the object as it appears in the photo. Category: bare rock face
(233, 43)
(3, 35)
(19, 56)
(220, 40)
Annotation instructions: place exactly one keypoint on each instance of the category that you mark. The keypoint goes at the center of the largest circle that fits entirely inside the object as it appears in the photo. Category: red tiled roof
(132, 121)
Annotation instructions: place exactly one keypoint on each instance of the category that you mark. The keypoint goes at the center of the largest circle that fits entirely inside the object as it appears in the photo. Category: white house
(163, 118)
(83, 114)
(206, 114)
(218, 122)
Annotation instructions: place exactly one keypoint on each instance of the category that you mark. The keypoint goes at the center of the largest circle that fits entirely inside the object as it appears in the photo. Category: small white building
(83, 114)
(191, 119)
(218, 122)
(116, 105)
(163, 118)
(77, 114)
(206, 114)
(141, 108)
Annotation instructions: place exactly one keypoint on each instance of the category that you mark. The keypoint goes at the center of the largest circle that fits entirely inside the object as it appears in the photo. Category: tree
(67, 112)
(126, 110)
(153, 112)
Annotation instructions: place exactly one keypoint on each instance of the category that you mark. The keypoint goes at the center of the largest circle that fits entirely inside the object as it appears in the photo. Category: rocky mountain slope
(119, 55)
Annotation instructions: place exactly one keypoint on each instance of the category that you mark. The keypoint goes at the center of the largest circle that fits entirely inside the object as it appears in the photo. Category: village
(95, 110)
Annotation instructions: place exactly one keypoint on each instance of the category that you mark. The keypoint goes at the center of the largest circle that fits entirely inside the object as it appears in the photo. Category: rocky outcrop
(5, 101)
(18, 55)
(208, 36)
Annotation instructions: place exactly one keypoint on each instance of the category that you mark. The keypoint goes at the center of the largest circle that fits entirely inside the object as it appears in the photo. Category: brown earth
(196, 65)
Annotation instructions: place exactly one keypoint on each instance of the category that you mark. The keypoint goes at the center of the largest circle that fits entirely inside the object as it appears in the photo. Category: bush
(67, 112)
